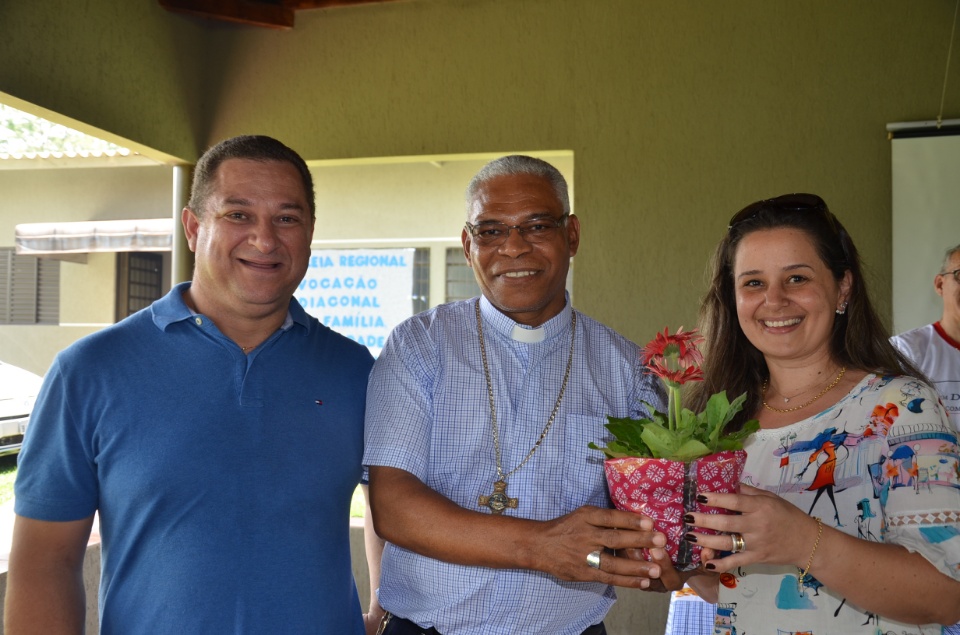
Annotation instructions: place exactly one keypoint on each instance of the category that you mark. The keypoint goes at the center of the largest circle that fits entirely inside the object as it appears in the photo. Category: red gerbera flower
(675, 358)
(679, 375)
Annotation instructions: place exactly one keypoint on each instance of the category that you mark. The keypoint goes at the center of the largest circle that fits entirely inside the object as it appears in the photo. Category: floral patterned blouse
(882, 464)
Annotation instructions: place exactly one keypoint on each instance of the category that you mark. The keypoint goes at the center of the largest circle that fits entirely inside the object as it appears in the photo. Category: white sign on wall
(926, 222)
(360, 293)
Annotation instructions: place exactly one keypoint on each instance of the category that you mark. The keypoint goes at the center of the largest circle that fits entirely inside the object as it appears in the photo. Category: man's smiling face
(524, 280)
(252, 239)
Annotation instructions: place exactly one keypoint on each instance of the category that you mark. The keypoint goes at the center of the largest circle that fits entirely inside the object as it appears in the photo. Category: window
(29, 289)
(461, 284)
(139, 281)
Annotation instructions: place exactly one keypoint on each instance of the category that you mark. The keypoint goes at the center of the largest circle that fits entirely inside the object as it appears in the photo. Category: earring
(842, 309)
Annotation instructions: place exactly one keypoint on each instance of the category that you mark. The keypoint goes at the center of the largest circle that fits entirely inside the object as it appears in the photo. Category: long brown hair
(858, 340)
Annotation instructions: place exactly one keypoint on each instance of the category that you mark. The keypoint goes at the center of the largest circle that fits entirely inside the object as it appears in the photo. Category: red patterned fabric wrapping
(665, 490)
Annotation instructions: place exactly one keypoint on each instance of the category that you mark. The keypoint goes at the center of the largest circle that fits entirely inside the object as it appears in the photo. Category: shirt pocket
(584, 481)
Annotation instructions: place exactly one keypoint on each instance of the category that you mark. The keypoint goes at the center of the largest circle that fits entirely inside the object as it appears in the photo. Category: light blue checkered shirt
(428, 413)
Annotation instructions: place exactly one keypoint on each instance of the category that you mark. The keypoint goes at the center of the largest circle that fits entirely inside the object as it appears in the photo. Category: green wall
(125, 67)
(678, 112)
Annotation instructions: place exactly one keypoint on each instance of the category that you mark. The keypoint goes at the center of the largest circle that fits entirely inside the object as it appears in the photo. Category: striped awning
(38, 239)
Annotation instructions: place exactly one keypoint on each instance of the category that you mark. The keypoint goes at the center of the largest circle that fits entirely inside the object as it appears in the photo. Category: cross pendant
(498, 501)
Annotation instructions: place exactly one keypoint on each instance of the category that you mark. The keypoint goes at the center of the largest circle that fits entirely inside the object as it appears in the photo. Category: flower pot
(665, 490)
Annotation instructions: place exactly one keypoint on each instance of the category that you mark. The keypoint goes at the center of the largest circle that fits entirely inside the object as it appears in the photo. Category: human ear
(466, 240)
(191, 227)
(573, 234)
(846, 283)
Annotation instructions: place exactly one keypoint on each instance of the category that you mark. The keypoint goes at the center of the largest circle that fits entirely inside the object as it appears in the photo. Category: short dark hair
(254, 148)
(859, 339)
(514, 164)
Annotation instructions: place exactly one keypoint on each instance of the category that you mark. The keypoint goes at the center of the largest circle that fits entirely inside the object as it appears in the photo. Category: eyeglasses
(787, 202)
(955, 273)
(537, 230)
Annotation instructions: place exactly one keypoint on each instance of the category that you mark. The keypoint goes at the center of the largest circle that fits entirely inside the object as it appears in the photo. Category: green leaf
(662, 442)
(626, 430)
(696, 435)
(734, 440)
(690, 450)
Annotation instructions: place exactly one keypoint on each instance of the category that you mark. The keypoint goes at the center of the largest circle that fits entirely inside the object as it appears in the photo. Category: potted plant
(656, 466)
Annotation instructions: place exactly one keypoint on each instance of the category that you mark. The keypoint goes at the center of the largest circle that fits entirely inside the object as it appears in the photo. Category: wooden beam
(265, 14)
(299, 5)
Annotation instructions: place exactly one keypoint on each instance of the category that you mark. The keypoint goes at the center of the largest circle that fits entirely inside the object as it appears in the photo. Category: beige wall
(678, 112)
(58, 195)
(402, 199)
(87, 290)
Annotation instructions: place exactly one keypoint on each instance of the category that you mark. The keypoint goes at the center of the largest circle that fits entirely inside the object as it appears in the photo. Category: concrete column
(181, 258)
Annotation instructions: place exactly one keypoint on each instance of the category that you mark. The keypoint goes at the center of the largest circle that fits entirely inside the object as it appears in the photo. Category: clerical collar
(506, 327)
(528, 335)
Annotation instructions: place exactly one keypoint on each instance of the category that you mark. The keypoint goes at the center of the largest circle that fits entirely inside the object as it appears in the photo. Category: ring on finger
(738, 543)
(593, 559)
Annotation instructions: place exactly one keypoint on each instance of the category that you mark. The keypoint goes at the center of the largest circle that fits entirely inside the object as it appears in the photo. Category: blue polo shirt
(223, 480)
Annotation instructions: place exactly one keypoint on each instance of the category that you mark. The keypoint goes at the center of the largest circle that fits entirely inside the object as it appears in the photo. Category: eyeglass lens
(533, 231)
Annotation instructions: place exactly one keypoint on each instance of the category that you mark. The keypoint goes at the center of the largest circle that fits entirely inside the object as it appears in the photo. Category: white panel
(926, 222)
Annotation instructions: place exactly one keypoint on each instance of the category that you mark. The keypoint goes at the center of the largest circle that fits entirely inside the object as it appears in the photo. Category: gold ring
(738, 543)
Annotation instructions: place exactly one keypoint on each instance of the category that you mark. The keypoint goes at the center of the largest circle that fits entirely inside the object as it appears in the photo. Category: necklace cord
(829, 387)
(493, 410)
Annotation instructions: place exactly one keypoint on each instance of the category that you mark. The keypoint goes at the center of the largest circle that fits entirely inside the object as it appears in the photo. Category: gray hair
(516, 164)
(947, 256)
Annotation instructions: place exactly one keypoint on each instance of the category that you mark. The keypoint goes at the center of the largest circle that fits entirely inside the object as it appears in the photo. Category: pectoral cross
(498, 501)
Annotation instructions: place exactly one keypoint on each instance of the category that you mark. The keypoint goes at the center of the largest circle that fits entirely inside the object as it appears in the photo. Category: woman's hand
(773, 530)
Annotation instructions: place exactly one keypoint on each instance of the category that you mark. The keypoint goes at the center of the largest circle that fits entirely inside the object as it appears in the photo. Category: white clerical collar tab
(528, 336)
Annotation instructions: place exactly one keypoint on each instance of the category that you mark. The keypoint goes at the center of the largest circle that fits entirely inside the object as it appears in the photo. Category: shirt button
(199, 321)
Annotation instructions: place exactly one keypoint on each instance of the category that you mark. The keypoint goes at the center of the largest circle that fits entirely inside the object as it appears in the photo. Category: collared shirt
(428, 413)
(223, 480)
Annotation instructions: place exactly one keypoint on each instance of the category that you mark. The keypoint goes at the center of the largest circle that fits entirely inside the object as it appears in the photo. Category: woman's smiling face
(786, 296)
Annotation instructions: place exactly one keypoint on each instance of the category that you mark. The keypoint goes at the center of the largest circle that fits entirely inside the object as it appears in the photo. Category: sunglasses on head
(787, 203)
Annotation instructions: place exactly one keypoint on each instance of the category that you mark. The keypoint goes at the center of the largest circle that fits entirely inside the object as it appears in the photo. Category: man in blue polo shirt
(218, 433)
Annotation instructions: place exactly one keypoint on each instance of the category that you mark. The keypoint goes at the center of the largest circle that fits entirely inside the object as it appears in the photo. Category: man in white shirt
(935, 348)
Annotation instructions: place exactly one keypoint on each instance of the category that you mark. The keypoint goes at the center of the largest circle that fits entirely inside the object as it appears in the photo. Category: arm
(373, 545)
(707, 585)
(401, 503)
(869, 574)
(45, 579)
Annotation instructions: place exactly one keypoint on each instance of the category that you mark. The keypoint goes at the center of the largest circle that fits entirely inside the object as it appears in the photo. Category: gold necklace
(829, 387)
(498, 500)
(800, 392)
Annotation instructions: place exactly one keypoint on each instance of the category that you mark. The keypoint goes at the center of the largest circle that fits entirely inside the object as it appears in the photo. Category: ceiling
(273, 14)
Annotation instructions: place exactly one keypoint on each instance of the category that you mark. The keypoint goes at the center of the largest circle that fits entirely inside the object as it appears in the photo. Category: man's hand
(566, 541)
(371, 622)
